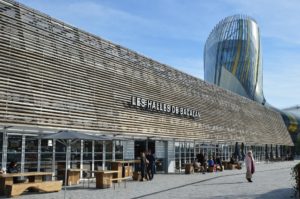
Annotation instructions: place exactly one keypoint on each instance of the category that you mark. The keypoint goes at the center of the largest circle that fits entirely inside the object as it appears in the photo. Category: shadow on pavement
(275, 194)
(224, 183)
(279, 194)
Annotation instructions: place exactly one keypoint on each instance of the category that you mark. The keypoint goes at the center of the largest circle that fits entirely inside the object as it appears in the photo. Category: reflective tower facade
(232, 60)
(232, 57)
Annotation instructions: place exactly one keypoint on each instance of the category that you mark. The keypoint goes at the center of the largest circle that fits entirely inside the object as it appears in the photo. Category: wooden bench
(118, 180)
(45, 186)
(233, 166)
(230, 166)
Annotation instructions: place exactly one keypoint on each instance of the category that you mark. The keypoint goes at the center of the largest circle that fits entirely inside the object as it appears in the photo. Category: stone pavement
(271, 180)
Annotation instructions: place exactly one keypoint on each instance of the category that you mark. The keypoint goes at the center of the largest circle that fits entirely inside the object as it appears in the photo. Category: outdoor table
(73, 177)
(128, 169)
(104, 178)
(7, 179)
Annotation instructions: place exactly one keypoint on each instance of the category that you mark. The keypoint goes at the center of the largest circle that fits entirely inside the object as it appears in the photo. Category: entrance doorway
(143, 145)
(158, 148)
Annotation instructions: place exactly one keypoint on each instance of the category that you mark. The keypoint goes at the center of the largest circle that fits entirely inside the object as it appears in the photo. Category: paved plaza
(271, 180)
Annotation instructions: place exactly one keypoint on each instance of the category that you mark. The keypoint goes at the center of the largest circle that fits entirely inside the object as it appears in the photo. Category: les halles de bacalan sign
(151, 105)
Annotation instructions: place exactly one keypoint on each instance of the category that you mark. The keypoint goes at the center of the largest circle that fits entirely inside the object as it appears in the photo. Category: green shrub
(295, 175)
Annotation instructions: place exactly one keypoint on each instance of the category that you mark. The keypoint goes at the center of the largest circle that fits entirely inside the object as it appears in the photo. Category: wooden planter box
(189, 169)
(136, 175)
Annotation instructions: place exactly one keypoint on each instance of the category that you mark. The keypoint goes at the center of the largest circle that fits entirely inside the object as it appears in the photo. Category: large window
(177, 156)
(98, 156)
(60, 160)
(31, 154)
(108, 154)
(118, 150)
(60, 156)
(14, 148)
(75, 155)
(46, 155)
(182, 151)
(192, 151)
(185, 153)
(87, 155)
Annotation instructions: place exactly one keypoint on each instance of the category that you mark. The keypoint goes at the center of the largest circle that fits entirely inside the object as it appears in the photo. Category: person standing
(144, 162)
(151, 166)
(250, 166)
(202, 159)
(219, 163)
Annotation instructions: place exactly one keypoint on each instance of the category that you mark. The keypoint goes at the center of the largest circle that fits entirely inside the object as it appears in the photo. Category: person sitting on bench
(211, 164)
(196, 165)
(13, 168)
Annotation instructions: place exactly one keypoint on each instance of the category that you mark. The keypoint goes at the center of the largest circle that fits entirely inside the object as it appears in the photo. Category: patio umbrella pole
(67, 138)
(65, 179)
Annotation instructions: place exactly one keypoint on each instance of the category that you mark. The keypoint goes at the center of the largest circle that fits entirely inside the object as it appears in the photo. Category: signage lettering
(151, 105)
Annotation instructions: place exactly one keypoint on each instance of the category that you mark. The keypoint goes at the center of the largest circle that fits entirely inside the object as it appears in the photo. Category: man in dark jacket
(144, 163)
(151, 166)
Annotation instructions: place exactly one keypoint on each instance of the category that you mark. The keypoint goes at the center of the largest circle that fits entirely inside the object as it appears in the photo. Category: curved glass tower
(232, 60)
(232, 57)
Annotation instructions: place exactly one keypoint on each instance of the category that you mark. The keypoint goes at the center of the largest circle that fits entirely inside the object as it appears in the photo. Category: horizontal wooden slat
(55, 76)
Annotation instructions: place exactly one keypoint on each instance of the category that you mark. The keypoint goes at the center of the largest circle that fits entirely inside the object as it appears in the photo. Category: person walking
(250, 166)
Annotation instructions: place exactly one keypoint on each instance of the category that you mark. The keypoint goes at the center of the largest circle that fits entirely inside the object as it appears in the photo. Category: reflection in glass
(118, 150)
(46, 156)
(31, 153)
(98, 157)
(14, 148)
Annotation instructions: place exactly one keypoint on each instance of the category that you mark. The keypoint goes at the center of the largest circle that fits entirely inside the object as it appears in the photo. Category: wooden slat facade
(54, 76)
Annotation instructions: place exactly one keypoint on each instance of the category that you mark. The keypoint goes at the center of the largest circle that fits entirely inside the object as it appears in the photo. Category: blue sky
(174, 32)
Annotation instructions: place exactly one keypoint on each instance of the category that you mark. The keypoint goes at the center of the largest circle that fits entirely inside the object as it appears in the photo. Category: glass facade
(232, 60)
(34, 154)
(232, 57)
(186, 152)
(14, 148)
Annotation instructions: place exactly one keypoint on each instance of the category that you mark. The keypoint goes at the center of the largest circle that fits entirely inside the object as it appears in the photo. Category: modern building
(57, 77)
(233, 60)
(232, 57)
